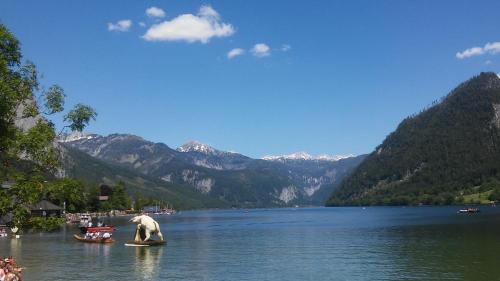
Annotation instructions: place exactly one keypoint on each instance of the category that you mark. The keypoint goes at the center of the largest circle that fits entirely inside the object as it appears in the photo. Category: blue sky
(328, 76)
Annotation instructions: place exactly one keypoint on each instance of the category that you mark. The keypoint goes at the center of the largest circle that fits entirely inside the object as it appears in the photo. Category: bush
(45, 224)
(495, 195)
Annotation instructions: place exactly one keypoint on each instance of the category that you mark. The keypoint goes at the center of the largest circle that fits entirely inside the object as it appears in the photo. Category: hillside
(93, 171)
(439, 156)
(226, 177)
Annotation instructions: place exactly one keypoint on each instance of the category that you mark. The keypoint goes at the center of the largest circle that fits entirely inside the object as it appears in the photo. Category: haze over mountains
(440, 156)
(218, 178)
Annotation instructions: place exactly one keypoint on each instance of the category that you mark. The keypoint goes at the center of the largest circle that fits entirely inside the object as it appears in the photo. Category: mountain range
(301, 155)
(196, 175)
(446, 154)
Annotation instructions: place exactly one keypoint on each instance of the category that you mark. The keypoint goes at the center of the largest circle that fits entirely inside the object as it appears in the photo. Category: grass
(481, 197)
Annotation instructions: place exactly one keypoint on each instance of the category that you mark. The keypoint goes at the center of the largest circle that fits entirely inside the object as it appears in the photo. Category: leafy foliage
(119, 199)
(80, 117)
(45, 224)
(436, 157)
(68, 191)
(54, 99)
(28, 136)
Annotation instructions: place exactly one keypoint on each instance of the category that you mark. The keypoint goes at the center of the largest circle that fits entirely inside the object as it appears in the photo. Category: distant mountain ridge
(439, 156)
(231, 178)
(301, 155)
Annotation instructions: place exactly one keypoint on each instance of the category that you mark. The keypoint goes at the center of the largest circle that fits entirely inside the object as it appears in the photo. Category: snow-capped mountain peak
(74, 136)
(195, 146)
(305, 156)
(327, 157)
(301, 155)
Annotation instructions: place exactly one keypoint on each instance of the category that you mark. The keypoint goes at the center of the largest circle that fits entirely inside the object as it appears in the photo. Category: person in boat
(9, 271)
(106, 235)
(100, 224)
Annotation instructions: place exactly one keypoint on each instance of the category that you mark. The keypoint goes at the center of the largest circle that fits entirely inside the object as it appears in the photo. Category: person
(106, 235)
(9, 270)
(90, 224)
(2, 274)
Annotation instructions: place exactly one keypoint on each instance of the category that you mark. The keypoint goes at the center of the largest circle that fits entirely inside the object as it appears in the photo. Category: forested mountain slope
(438, 156)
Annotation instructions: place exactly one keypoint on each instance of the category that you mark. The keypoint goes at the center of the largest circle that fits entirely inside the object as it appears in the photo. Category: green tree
(54, 99)
(140, 201)
(120, 199)
(93, 202)
(80, 116)
(19, 92)
(68, 191)
(495, 195)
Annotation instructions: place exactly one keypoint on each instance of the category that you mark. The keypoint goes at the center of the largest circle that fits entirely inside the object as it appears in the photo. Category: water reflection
(445, 252)
(147, 262)
(96, 249)
(15, 246)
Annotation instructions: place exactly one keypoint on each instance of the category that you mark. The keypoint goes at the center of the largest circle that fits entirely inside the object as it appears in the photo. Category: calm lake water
(421, 243)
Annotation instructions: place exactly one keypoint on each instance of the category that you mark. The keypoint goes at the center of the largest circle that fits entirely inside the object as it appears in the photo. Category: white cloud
(235, 52)
(285, 47)
(489, 48)
(155, 12)
(261, 50)
(492, 48)
(208, 12)
(122, 26)
(142, 24)
(191, 28)
(475, 51)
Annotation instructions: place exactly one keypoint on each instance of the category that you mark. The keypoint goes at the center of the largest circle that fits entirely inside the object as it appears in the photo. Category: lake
(373, 243)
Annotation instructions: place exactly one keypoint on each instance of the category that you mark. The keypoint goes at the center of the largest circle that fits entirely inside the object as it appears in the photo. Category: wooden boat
(93, 229)
(98, 240)
(145, 243)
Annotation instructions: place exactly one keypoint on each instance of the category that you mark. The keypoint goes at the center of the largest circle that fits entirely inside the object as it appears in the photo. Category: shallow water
(379, 243)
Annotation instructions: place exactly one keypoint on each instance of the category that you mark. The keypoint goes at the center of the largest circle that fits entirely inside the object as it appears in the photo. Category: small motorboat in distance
(3, 231)
(93, 240)
(84, 219)
(468, 211)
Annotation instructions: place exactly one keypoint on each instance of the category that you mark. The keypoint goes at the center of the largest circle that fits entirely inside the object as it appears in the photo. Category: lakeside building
(105, 192)
(45, 208)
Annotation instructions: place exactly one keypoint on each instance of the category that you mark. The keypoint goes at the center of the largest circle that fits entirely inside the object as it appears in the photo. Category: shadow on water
(445, 252)
(432, 244)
